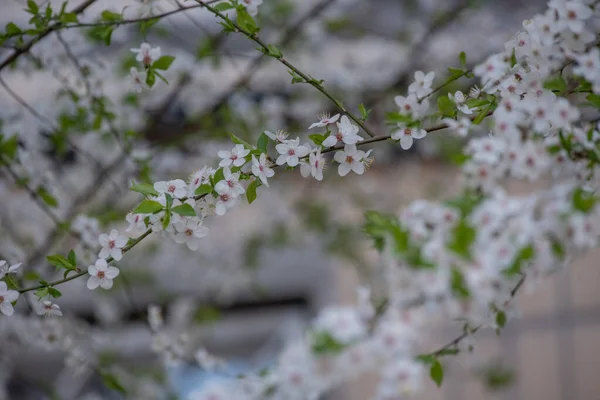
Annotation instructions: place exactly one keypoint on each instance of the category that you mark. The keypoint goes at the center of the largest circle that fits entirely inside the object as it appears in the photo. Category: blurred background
(266, 268)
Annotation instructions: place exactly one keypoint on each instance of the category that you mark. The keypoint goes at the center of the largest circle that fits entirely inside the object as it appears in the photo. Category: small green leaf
(461, 238)
(163, 63)
(147, 24)
(583, 201)
(364, 113)
(148, 207)
(41, 292)
(251, 191)
(60, 262)
(185, 210)
(556, 84)
(483, 114)
(223, 6)
(594, 99)
(462, 58)
(12, 29)
(274, 51)
(318, 139)
(68, 18)
(32, 7)
(245, 20)
(501, 319)
(72, 257)
(525, 254)
(458, 284)
(150, 77)
(47, 197)
(218, 176)
(445, 106)
(110, 16)
(145, 189)
(203, 190)
(262, 143)
(238, 140)
(31, 276)
(112, 382)
(207, 314)
(325, 343)
(295, 77)
(54, 292)
(437, 373)
(455, 73)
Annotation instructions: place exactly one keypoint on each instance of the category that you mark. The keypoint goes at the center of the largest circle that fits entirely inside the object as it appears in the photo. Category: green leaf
(207, 314)
(525, 254)
(458, 284)
(238, 140)
(150, 77)
(148, 207)
(204, 189)
(393, 118)
(31, 276)
(318, 139)
(501, 319)
(245, 21)
(556, 84)
(462, 237)
(185, 210)
(112, 382)
(8, 147)
(223, 6)
(324, 343)
(147, 24)
(295, 77)
(364, 113)
(54, 292)
(166, 220)
(218, 176)
(513, 59)
(251, 191)
(262, 143)
(462, 58)
(483, 114)
(145, 189)
(445, 106)
(594, 99)
(583, 201)
(437, 373)
(274, 51)
(110, 16)
(47, 197)
(455, 73)
(163, 63)
(60, 262)
(32, 7)
(12, 29)
(41, 292)
(169, 201)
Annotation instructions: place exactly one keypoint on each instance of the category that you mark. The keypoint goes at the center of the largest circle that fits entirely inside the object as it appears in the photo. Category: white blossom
(101, 275)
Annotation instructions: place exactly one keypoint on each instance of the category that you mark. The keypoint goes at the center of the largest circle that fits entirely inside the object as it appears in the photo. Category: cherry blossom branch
(27, 46)
(134, 20)
(307, 79)
(288, 35)
(468, 332)
(82, 273)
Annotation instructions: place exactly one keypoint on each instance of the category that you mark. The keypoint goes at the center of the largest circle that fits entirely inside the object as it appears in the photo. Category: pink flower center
(230, 184)
(224, 197)
(171, 188)
(234, 157)
(111, 244)
(291, 152)
(408, 131)
(407, 107)
(1, 299)
(349, 159)
(100, 274)
(189, 232)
